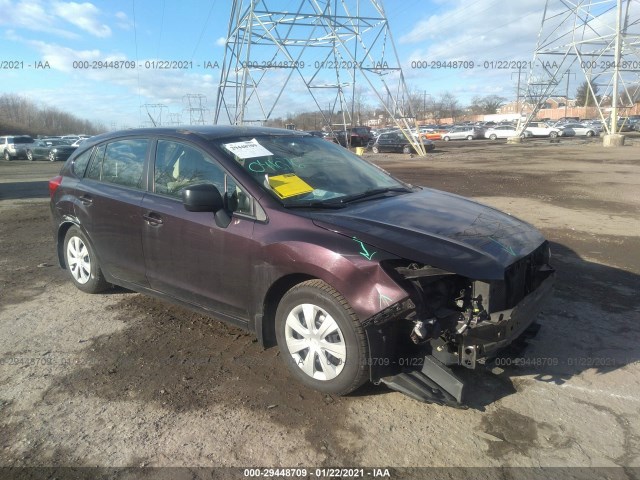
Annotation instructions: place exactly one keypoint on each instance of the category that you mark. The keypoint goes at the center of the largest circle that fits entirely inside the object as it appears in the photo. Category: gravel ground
(121, 379)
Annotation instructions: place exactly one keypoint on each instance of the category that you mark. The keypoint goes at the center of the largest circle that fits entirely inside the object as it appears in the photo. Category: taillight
(54, 183)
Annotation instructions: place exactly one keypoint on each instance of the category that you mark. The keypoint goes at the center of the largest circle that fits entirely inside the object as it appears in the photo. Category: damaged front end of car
(451, 320)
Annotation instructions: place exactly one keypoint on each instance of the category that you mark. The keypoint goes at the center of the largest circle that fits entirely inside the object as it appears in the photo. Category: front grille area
(520, 279)
(525, 275)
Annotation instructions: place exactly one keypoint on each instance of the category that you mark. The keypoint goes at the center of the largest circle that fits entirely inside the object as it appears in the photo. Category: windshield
(308, 170)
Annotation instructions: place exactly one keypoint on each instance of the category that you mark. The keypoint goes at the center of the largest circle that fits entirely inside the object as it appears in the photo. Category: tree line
(21, 116)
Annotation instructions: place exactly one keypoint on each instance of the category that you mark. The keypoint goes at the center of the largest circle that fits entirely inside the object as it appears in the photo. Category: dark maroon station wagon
(352, 273)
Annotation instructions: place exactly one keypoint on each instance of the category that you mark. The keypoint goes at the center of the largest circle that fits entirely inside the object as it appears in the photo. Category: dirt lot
(121, 379)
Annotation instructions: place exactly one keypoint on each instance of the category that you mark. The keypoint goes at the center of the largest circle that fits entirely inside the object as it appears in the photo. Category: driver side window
(178, 165)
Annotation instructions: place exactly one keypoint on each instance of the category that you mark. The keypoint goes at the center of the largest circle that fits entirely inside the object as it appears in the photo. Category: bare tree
(20, 115)
(487, 105)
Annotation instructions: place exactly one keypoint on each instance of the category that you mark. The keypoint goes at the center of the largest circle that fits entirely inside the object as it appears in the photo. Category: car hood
(438, 229)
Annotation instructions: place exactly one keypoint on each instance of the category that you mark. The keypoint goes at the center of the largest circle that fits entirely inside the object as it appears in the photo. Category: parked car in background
(577, 130)
(316, 133)
(50, 149)
(78, 142)
(396, 142)
(355, 275)
(543, 129)
(353, 136)
(463, 132)
(504, 131)
(15, 146)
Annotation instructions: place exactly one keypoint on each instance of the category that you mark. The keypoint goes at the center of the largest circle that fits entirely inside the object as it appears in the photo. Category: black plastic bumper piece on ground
(435, 383)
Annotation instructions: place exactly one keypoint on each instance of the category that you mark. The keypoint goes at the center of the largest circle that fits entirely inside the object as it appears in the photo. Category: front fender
(360, 280)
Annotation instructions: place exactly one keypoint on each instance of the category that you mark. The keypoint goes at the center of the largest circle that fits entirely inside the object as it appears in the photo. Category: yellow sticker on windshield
(289, 185)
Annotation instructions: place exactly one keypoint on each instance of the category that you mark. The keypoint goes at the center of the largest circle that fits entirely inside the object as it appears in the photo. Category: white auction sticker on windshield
(247, 149)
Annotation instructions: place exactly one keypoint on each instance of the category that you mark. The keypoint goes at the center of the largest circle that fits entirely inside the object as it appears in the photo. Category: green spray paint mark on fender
(509, 250)
(365, 253)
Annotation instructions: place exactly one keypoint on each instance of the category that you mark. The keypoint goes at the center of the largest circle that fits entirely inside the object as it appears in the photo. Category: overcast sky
(62, 33)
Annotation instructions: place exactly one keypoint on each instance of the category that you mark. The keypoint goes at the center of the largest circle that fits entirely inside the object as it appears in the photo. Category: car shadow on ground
(591, 324)
(19, 190)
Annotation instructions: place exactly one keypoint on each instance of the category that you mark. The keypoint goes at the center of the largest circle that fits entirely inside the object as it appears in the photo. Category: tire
(553, 135)
(52, 157)
(7, 157)
(522, 135)
(493, 136)
(446, 139)
(469, 137)
(82, 263)
(30, 155)
(332, 362)
(590, 133)
(406, 149)
(375, 149)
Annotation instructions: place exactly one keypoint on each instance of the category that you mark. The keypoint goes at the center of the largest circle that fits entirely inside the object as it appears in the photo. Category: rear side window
(120, 162)
(96, 164)
(80, 163)
(23, 140)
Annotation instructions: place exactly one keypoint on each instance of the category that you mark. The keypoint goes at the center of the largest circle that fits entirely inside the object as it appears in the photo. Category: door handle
(152, 219)
(86, 200)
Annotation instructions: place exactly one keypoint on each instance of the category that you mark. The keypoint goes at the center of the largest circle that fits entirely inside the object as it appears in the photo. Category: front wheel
(469, 137)
(7, 157)
(590, 133)
(406, 149)
(30, 155)
(493, 136)
(446, 139)
(321, 338)
(375, 149)
(82, 263)
(553, 135)
(52, 157)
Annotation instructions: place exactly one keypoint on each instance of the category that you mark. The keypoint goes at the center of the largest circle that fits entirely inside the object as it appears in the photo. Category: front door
(186, 254)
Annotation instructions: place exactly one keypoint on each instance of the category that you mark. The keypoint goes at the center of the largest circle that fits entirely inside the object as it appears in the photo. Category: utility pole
(518, 87)
(566, 95)
(616, 70)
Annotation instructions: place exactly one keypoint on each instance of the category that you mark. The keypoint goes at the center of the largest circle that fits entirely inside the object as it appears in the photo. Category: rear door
(187, 255)
(109, 208)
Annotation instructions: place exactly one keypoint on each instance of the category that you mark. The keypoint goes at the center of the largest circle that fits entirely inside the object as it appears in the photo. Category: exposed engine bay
(452, 320)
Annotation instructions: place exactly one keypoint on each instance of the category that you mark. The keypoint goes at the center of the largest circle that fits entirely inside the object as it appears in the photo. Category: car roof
(206, 132)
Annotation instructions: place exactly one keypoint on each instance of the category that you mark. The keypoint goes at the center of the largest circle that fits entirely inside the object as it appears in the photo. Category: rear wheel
(553, 134)
(82, 263)
(469, 137)
(30, 155)
(493, 136)
(406, 149)
(590, 133)
(321, 338)
(375, 149)
(52, 157)
(7, 157)
(446, 139)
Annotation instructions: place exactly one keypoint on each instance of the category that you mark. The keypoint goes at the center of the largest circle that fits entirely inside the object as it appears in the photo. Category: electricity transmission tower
(313, 55)
(196, 107)
(154, 112)
(598, 40)
(175, 119)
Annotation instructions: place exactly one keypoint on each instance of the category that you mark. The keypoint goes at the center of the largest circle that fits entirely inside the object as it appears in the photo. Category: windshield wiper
(314, 204)
(372, 193)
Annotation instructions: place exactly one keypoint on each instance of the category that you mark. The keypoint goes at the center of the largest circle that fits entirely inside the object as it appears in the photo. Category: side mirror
(206, 197)
(202, 198)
